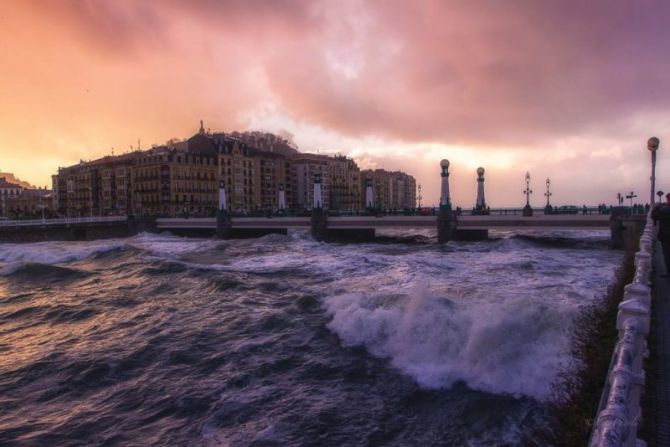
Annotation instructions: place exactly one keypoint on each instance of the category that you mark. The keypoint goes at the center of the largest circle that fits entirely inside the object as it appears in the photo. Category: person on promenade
(661, 214)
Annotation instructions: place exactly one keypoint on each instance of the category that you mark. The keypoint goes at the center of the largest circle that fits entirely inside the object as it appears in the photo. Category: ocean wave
(560, 241)
(516, 346)
(35, 271)
(50, 253)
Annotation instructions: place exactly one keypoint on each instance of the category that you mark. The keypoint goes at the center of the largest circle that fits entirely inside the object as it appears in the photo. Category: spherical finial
(444, 163)
(652, 143)
(480, 171)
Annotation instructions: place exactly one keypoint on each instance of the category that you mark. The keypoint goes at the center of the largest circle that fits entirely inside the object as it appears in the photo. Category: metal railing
(61, 221)
(619, 411)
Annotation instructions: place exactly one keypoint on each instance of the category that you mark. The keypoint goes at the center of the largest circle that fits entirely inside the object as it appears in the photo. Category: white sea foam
(513, 345)
(14, 256)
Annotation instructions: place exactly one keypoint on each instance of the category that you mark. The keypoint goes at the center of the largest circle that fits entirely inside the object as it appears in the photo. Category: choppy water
(159, 340)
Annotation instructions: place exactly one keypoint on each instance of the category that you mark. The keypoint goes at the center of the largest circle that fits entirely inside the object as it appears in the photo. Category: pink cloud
(523, 74)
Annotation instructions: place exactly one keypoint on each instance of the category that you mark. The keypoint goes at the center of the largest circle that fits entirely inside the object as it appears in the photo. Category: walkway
(658, 399)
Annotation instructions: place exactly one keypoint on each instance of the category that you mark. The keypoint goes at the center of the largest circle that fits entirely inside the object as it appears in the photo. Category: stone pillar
(369, 195)
(317, 202)
(319, 222)
(481, 201)
(446, 221)
(480, 205)
(224, 226)
(282, 199)
(445, 198)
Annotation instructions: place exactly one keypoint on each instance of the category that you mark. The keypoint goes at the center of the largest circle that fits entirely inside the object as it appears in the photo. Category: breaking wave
(514, 346)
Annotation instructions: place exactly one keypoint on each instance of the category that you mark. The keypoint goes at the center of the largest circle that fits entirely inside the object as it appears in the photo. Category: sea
(282, 340)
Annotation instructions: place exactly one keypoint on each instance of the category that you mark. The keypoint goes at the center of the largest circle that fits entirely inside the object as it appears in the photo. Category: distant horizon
(569, 91)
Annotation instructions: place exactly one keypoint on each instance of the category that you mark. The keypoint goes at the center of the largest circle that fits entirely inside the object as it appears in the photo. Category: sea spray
(513, 345)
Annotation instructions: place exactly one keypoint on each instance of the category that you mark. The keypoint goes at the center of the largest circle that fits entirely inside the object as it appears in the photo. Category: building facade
(31, 203)
(96, 188)
(8, 192)
(391, 190)
(183, 177)
(303, 169)
(170, 182)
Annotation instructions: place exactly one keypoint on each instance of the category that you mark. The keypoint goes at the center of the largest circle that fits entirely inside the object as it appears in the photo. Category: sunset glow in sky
(569, 90)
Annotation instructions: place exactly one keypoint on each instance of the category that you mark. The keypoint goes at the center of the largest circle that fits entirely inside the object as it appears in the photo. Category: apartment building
(391, 190)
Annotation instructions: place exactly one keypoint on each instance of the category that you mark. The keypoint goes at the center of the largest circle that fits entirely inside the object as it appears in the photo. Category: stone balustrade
(619, 411)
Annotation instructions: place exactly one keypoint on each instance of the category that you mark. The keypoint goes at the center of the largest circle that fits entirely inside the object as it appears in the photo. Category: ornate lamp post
(480, 206)
(445, 199)
(548, 209)
(652, 145)
(660, 194)
(445, 218)
(631, 196)
(527, 210)
(619, 199)
(419, 196)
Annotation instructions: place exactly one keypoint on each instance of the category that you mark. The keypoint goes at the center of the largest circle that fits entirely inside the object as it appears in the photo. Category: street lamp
(652, 145)
(445, 197)
(631, 196)
(619, 199)
(659, 194)
(480, 204)
(419, 196)
(548, 209)
(527, 210)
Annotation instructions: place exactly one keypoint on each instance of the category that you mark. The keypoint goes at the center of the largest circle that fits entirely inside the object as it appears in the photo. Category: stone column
(446, 222)
(223, 203)
(317, 203)
(319, 222)
(480, 205)
(282, 199)
(369, 195)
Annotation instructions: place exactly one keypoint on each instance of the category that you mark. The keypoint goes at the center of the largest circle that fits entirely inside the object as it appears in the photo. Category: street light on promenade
(659, 194)
(548, 209)
(445, 197)
(652, 145)
(528, 210)
(480, 204)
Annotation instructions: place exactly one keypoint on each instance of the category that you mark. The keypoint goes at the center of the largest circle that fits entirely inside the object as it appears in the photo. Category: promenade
(658, 406)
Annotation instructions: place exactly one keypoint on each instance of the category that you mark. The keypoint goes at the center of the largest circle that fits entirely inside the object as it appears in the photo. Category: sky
(567, 90)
